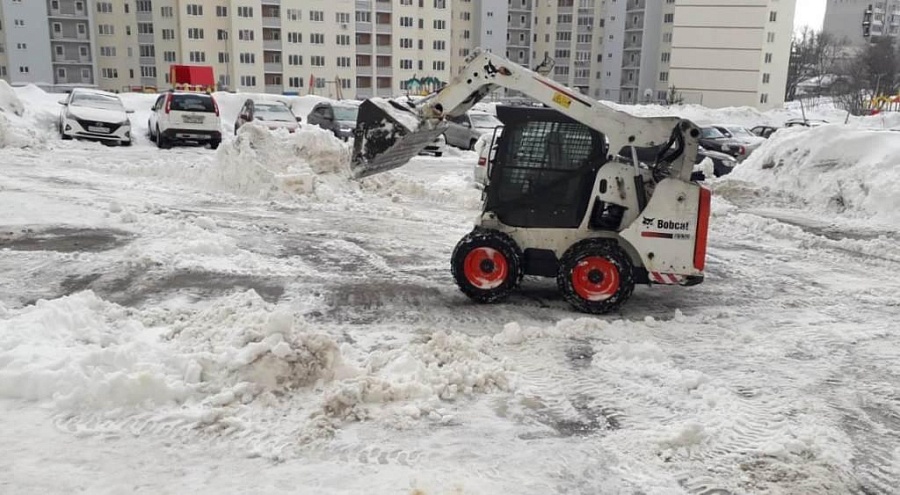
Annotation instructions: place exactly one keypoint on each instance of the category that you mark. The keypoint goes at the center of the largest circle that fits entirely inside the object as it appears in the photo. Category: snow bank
(9, 101)
(833, 169)
(238, 361)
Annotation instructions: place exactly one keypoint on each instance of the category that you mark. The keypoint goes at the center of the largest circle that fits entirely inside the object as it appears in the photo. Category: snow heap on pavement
(231, 367)
(9, 101)
(16, 130)
(832, 169)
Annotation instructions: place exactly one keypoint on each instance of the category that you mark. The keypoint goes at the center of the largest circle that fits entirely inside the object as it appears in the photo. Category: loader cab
(543, 173)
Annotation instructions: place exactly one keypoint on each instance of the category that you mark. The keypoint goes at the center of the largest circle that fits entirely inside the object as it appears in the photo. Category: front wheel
(595, 276)
(487, 265)
(214, 144)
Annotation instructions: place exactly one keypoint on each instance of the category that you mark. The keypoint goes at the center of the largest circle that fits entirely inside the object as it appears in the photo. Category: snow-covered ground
(247, 320)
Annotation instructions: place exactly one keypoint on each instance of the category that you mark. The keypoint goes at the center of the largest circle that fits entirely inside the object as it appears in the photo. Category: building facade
(859, 21)
(631, 51)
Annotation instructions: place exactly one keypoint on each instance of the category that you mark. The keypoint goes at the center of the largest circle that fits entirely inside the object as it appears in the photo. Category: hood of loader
(388, 135)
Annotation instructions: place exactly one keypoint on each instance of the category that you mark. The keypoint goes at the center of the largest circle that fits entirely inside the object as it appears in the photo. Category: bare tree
(874, 71)
(814, 55)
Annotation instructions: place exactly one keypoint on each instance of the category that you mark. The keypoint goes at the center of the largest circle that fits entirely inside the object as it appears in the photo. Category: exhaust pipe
(387, 136)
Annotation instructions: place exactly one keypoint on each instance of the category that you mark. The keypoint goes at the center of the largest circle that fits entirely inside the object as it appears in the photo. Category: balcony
(271, 22)
(362, 93)
(272, 67)
(383, 49)
(63, 36)
(275, 89)
(384, 71)
(364, 49)
(364, 27)
(274, 45)
(383, 6)
(148, 81)
(147, 60)
(383, 28)
(145, 39)
(364, 70)
(270, 2)
(67, 14)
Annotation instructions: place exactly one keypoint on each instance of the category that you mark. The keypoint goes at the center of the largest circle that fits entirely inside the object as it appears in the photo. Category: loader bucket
(387, 136)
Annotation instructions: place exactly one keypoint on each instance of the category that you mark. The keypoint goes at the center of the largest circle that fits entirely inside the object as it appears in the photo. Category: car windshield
(484, 121)
(711, 133)
(274, 111)
(740, 131)
(96, 100)
(346, 114)
(192, 103)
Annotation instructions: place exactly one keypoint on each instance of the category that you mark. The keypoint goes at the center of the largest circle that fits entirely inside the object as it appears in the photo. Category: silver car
(464, 131)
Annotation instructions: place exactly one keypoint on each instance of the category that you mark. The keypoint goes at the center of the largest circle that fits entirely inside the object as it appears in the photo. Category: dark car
(713, 140)
(339, 118)
(723, 164)
(764, 131)
(741, 134)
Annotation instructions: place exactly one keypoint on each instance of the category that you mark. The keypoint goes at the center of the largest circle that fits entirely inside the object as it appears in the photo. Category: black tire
(161, 141)
(488, 253)
(438, 154)
(63, 134)
(128, 143)
(150, 133)
(599, 267)
(214, 144)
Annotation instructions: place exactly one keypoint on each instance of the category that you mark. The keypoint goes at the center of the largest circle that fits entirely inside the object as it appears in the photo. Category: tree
(814, 55)
(874, 71)
(673, 97)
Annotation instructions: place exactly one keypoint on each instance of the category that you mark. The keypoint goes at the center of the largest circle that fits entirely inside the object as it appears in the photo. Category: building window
(60, 51)
(166, 11)
(343, 39)
(317, 61)
(245, 11)
(667, 37)
(194, 9)
(406, 43)
(83, 51)
(317, 39)
(665, 57)
(440, 4)
(248, 58)
(103, 7)
(342, 17)
(343, 61)
(770, 37)
(363, 16)
(439, 45)
(61, 72)
(82, 29)
(406, 64)
(295, 59)
(23, 69)
(21, 46)
(146, 28)
(438, 65)
(221, 11)
(768, 58)
(669, 18)
(19, 23)
(198, 56)
(293, 14)
(148, 71)
(224, 58)
(764, 98)
(248, 80)
(440, 24)
(193, 33)
(168, 34)
(295, 37)
(106, 30)
(295, 82)
(766, 78)
(406, 22)
(146, 6)
(663, 77)
(222, 35)
(317, 16)
(109, 73)
(79, 6)
(169, 56)
(773, 16)
(245, 35)
(106, 51)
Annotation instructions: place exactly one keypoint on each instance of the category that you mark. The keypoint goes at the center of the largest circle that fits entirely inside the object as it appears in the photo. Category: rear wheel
(150, 133)
(595, 276)
(214, 144)
(487, 265)
(161, 141)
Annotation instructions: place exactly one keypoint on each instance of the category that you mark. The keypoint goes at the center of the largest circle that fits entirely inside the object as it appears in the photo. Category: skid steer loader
(595, 197)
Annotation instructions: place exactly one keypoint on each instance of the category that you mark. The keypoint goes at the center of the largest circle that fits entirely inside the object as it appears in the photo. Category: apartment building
(25, 47)
(859, 21)
(742, 61)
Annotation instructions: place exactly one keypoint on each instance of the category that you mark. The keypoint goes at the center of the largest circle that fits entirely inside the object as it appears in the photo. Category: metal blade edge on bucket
(388, 135)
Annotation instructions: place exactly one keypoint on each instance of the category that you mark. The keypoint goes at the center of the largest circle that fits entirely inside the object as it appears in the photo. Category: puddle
(63, 239)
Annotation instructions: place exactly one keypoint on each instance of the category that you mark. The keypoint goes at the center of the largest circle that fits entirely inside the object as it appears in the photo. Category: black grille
(544, 169)
(93, 123)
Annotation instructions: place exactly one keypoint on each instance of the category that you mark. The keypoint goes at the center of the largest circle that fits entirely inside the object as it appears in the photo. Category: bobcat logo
(648, 221)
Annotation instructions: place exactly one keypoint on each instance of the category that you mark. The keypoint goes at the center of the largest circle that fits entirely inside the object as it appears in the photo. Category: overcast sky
(809, 13)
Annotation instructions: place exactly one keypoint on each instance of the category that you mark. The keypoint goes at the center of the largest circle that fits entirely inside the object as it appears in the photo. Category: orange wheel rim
(595, 278)
(485, 268)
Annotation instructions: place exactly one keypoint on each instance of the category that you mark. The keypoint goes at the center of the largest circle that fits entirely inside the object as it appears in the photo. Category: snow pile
(269, 164)
(9, 101)
(833, 169)
(18, 130)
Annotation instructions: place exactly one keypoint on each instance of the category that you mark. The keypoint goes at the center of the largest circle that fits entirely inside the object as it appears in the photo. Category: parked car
(764, 131)
(339, 118)
(271, 114)
(741, 134)
(180, 117)
(464, 131)
(713, 140)
(723, 163)
(95, 115)
(805, 123)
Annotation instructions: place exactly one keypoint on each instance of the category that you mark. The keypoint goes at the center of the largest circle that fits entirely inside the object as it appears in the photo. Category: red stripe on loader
(661, 235)
(702, 229)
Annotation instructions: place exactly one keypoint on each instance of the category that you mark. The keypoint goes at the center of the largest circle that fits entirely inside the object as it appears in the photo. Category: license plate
(193, 119)
(102, 130)
(190, 136)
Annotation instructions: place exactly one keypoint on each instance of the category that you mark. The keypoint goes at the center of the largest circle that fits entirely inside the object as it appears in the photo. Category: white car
(180, 117)
(95, 115)
(486, 148)
(463, 131)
